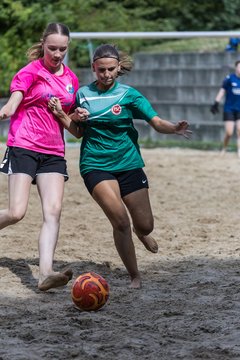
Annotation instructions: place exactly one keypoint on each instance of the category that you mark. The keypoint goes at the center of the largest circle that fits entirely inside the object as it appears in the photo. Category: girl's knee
(52, 212)
(144, 228)
(228, 134)
(122, 224)
(16, 216)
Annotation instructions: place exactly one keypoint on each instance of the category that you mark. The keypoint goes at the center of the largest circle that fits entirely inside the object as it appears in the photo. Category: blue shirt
(231, 84)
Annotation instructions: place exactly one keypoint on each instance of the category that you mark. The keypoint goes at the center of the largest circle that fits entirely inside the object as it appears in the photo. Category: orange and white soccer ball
(90, 291)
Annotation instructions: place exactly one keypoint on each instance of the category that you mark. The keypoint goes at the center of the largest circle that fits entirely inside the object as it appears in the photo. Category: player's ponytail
(126, 63)
(35, 52)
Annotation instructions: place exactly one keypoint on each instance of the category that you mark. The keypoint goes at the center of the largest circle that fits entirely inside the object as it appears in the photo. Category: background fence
(179, 86)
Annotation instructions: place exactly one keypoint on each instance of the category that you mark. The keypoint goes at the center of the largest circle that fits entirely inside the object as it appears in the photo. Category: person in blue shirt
(230, 90)
(232, 44)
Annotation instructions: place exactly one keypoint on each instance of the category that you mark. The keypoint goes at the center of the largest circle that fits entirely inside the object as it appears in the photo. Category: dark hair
(36, 51)
(106, 51)
(111, 51)
(237, 62)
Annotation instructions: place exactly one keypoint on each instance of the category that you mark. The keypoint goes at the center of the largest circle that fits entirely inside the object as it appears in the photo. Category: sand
(189, 306)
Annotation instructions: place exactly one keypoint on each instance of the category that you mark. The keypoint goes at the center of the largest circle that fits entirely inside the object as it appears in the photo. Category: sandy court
(189, 306)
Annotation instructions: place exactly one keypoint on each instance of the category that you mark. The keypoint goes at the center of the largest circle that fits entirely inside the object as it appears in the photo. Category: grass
(188, 45)
(3, 139)
(151, 144)
(184, 144)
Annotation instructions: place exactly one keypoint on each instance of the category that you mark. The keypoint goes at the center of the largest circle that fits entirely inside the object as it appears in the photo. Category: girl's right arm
(215, 106)
(69, 122)
(11, 106)
(220, 95)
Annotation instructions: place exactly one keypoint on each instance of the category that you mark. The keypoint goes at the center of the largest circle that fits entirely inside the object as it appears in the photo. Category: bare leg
(18, 195)
(126, 251)
(238, 137)
(229, 128)
(107, 195)
(51, 189)
(139, 207)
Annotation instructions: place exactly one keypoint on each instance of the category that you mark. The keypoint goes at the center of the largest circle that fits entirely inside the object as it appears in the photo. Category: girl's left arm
(167, 127)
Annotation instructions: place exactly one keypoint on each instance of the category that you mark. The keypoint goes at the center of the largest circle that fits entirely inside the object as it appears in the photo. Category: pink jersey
(33, 126)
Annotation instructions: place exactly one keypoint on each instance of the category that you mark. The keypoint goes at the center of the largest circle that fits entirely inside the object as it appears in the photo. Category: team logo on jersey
(70, 88)
(116, 109)
(236, 91)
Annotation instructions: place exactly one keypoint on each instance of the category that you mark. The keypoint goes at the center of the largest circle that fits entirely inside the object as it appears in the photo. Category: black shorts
(22, 161)
(129, 181)
(231, 116)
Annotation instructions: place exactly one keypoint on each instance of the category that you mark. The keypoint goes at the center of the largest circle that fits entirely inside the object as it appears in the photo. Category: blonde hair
(36, 51)
(110, 51)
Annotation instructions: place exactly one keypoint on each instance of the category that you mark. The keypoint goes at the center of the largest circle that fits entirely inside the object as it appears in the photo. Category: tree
(22, 22)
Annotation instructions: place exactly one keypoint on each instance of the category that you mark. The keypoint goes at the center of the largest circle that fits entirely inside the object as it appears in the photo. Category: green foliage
(23, 21)
(185, 144)
(187, 45)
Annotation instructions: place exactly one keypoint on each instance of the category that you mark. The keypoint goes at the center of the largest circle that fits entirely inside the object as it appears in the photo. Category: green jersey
(110, 140)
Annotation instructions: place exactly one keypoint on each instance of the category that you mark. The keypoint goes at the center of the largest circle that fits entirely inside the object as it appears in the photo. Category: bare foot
(136, 283)
(55, 280)
(223, 152)
(68, 272)
(149, 242)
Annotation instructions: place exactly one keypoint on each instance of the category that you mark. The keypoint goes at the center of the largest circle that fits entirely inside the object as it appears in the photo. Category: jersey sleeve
(79, 97)
(141, 107)
(22, 81)
(76, 87)
(226, 82)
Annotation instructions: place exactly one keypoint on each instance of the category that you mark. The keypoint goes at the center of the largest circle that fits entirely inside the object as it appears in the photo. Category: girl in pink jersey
(35, 145)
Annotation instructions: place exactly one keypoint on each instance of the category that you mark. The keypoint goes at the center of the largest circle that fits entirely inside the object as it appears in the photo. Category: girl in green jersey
(110, 162)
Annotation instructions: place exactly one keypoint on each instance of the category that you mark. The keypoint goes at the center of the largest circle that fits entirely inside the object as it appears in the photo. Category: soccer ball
(90, 291)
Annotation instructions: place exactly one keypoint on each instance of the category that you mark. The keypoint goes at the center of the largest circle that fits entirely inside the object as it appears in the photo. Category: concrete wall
(179, 86)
